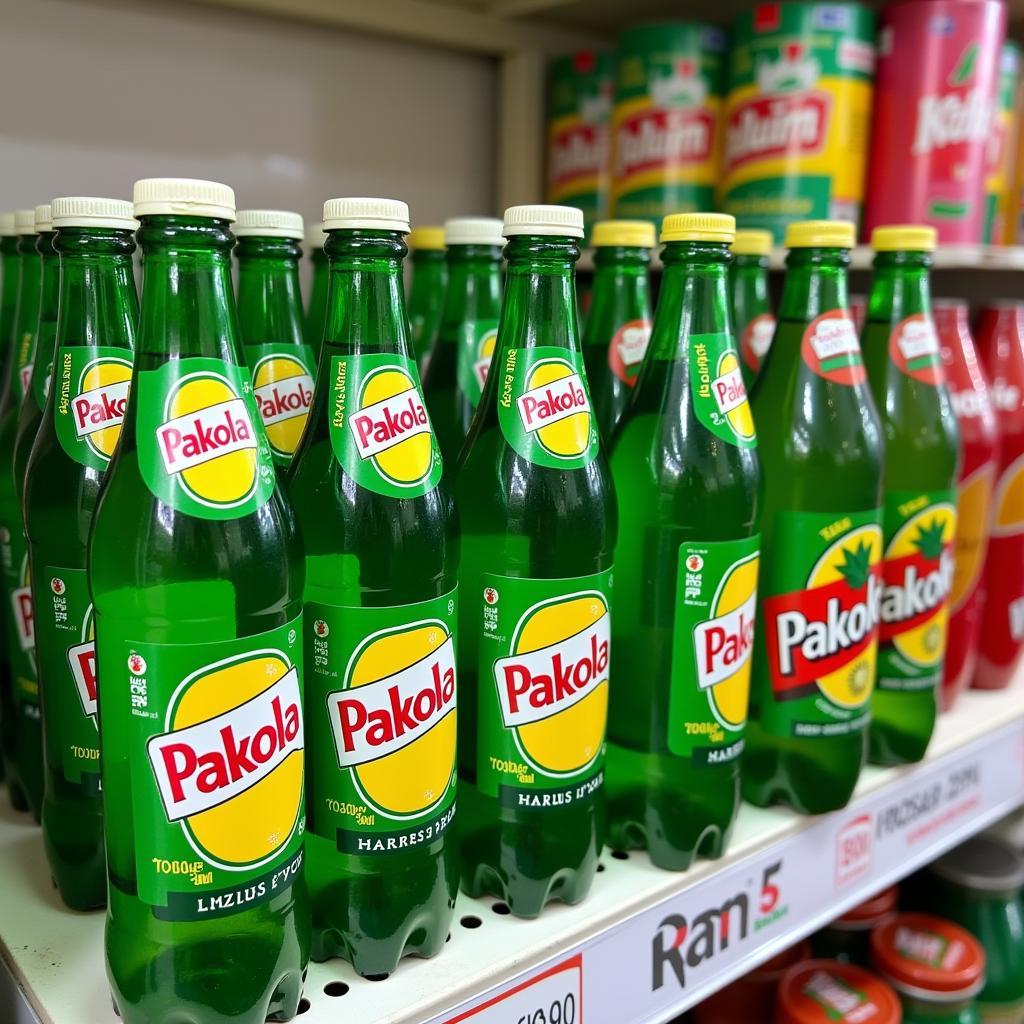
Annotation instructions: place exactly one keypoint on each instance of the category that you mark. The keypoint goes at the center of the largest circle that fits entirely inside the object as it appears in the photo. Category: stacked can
(1001, 147)
(579, 110)
(666, 130)
(938, 67)
(798, 114)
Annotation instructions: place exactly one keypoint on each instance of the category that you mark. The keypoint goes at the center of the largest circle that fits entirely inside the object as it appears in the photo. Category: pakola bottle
(821, 543)
(685, 460)
(538, 523)
(426, 292)
(196, 576)
(752, 316)
(618, 326)
(270, 323)
(922, 456)
(382, 547)
(316, 309)
(20, 690)
(77, 437)
(461, 354)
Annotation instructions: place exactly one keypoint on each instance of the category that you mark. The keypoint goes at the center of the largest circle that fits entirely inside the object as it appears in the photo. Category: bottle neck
(269, 295)
(49, 288)
(10, 269)
(899, 286)
(366, 298)
(474, 283)
(188, 307)
(815, 283)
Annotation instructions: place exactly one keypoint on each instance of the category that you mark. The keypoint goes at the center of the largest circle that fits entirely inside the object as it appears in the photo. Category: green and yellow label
(20, 619)
(477, 339)
(282, 381)
(719, 394)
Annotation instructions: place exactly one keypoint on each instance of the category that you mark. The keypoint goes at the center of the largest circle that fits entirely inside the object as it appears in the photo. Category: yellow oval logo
(98, 408)
(555, 406)
(284, 393)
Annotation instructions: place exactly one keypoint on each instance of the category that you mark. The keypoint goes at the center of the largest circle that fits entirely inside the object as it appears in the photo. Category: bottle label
(627, 349)
(821, 604)
(212, 734)
(282, 381)
(380, 431)
(67, 666)
(202, 449)
(756, 340)
(45, 343)
(914, 349)
(918, 576)
(712, 644)
(382, 742)
(544, 406)
(543, 688)
(477, 339)
(23, 362)
(831, 349)
(21, 622)
(719, 395)
(90, 401)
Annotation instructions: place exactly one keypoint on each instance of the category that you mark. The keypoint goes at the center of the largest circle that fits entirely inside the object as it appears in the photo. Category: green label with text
(719, 395)
(21, 623)
(477, 339)
(282, 381)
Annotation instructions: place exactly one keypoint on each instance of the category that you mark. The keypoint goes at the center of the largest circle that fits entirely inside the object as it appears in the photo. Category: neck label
(914, 349)
(719, 395)
(831, 348)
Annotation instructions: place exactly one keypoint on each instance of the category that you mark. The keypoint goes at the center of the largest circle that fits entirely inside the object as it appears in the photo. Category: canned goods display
(798, 114)
(579, 109)
(666, 131)
(933, 115)
(1001, 144)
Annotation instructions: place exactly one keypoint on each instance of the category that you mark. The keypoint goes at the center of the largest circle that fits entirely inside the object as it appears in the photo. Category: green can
(666, 130)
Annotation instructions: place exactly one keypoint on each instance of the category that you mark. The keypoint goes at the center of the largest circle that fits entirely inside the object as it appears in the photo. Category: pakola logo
(229, 765)
(553, 686)
(99, 404)
(394, 723)
(284, 392)
(918, 574)
(24, 616)
(772, 126)
(724, 383)
(484, 352)
(659, 140)
(825, 635)
(207, 441)
(82, 662)
(556, 408)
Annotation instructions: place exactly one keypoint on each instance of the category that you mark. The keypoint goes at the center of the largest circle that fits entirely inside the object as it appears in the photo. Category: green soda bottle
(821, 542)
(282, 364)
(382, 549)
(426, 292)
(539, 520)
(752, 315)
(20, 691)
(618, 326)
(316, 310)
(77, 437)
(196, 577)
(685, 457)
(458, 362)
(922, 459)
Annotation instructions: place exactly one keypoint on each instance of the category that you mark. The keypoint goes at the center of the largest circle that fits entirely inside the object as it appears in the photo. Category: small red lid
(928, 956)
(825, 991)
(870, 912)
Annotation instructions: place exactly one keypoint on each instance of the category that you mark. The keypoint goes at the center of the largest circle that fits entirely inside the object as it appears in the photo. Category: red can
(935, 98)
(979, 438)
(1000, 334)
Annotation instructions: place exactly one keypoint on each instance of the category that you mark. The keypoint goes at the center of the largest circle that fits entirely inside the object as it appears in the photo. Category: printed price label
(553, 997)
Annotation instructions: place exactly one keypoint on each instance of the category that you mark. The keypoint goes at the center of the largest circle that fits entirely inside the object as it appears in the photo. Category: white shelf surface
(783, 877)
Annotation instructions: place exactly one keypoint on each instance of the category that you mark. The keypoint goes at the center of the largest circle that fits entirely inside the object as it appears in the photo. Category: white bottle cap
(269, 224)
(366, 214)
(183, 197)
(564, 221)
(473, 231)
(316, 237)
(25, 222)
(7, 225)
(44, 217)
(89, 212)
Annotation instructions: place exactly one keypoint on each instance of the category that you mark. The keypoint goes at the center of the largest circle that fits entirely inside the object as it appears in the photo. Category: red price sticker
(854, 846)
(554, 996)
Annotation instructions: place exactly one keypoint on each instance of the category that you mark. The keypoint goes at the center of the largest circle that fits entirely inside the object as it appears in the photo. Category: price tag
(554, 996)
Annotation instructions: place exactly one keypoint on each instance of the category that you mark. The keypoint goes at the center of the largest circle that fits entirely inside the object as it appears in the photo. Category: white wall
(97, 93)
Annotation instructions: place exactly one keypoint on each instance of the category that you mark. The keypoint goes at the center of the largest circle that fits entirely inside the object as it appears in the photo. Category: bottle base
(379, 959)
(527, 897)
(889, 749)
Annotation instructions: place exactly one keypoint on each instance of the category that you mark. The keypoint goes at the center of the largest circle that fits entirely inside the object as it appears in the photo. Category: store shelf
(783, 877)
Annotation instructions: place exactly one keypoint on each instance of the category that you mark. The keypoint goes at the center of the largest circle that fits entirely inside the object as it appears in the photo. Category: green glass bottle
(685, 458)
(922, 459)
(78, 434)
(316, 310)
(751, 301)
(282, 364)
(457, 365)
(426, 291)
(538, 515)
(196, 575)
(382, 549)
(618, 326)
(821, 545)
(20, 693)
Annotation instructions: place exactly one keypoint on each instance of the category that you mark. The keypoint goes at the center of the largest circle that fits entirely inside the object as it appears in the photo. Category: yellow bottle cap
(623, 232)
(698, 227)
(426, 238)
(821, 234)
(898, 237)
(752, 243)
